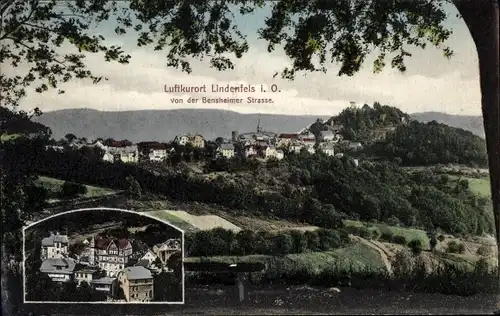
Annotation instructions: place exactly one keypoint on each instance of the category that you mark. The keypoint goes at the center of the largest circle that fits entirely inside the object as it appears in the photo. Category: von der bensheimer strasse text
(217, 88)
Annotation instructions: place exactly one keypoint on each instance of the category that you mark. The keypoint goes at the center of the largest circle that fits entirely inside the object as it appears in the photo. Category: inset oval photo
(103, 256)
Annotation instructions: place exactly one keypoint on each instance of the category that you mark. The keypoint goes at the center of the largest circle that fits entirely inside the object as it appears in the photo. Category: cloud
(140, 84)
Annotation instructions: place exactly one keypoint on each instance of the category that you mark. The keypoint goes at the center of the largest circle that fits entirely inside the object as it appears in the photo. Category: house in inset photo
(104, 255)
(137, 284)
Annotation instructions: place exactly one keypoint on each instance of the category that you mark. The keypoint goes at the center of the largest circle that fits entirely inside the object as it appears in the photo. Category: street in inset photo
(103, 256)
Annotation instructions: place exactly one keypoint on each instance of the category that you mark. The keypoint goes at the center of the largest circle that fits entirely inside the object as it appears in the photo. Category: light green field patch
(357, 257)
(352, 223)
(54, 186)
(172, 219)
(480, 186)
(7, 137)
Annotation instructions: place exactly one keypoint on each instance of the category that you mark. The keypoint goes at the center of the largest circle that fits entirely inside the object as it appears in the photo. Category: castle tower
(259, 129)
(234, 136)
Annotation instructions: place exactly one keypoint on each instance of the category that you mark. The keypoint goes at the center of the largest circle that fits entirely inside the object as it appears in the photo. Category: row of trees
(222, 242)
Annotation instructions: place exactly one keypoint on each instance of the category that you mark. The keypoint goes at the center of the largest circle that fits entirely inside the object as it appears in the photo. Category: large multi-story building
(111, 255)
(136, 283)
(54, 246)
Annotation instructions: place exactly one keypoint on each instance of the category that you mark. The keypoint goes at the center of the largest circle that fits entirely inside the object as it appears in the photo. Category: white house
(250, 151)
(226, 150)
(296, 147)
(104, 284)
(54, 246)
(182, 140)
(280, 154)
(327, 136)
(355, 146)
(311, 150)
(100, 145)
(85, 275)
(127, 154)
(58, 269)
(158, 154)
(270, 152)
(109, 157)
(150, 256)
(284, 140)
(327, 149)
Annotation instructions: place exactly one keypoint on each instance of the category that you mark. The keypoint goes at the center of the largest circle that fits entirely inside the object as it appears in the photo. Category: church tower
(259, 129)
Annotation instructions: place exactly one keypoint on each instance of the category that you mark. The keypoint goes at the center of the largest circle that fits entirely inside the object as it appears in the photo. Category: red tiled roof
(158, 146)
(122, 243)
(308, 140)
(102, 243)
(287, 136)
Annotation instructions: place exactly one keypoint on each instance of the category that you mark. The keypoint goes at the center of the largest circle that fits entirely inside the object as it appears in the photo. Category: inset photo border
(103, 256)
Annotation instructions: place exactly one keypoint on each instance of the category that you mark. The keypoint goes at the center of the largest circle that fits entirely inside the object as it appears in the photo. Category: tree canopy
(313, 34)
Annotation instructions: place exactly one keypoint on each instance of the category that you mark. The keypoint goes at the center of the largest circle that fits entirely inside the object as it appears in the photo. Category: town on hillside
(115, 269)
(260, 144)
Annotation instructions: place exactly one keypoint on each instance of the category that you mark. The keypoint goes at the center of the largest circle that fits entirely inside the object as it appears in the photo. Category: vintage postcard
(249, 157)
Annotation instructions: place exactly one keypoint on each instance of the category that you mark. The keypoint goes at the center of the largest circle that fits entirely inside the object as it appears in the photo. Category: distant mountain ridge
(164, 125)
(473, 124)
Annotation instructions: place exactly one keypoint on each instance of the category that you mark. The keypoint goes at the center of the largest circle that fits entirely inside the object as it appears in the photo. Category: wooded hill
(388, 133)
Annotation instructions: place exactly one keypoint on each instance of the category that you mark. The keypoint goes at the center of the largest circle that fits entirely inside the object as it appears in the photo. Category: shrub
(299, 241)
(433, 243)
(483, 250)
(440, 238)
(133, 188)
(283, 244)
(375, 233)
(388, 237)
(71, 189)
(416, 246)
(362, 232)
(401, 240)
(455, 247)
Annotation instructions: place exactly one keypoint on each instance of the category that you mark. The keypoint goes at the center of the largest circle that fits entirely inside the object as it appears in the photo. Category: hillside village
(121, 269)
(260, 144)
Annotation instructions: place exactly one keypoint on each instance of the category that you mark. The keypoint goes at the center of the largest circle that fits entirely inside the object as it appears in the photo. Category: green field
(172, 219)
(7, 137)
(54, 186)
(480, 186)
(357, 257)
(408, 233)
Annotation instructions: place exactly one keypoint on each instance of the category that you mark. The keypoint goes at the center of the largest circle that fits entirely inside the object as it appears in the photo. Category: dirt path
(383, 254)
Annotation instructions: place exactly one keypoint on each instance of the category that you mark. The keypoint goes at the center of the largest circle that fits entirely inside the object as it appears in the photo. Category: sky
(431, 83)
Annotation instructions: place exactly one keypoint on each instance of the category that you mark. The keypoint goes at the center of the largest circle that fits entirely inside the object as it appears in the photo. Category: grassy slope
(480, 186)
(174, 220)
(355, 256)
(54, 186)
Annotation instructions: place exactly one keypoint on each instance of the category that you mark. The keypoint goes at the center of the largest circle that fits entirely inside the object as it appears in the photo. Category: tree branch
(34, 6)
(6, 6)
(30, 48)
